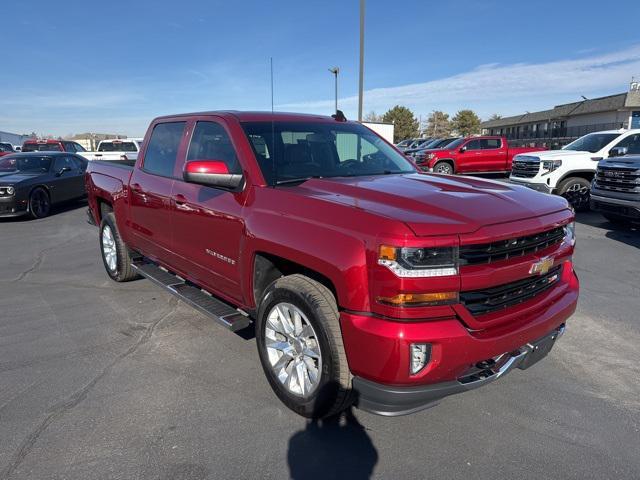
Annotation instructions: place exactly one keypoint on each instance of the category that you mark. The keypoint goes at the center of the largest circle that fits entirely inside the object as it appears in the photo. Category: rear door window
(162, 152)
(490, 143)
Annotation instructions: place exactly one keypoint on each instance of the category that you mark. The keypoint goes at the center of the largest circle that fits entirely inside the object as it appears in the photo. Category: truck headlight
(419, 262)
(551, 165)
(7, 190)
(430, 156)
(570, 232)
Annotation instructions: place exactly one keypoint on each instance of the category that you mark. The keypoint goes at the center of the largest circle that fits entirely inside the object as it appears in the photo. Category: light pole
(361, 81)
(336, 71)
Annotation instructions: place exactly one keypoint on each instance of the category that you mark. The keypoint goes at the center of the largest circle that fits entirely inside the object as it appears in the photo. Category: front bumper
(379, 348)
(539, 187)
(392, 401)
(616, 206)
(10, 207)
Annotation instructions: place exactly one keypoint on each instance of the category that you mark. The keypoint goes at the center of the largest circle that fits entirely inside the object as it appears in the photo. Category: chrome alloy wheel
(109, 248)
(444, 168)
(293, 349)
(577, 195)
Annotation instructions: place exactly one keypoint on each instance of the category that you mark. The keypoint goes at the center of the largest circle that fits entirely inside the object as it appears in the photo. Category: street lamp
(336, 71)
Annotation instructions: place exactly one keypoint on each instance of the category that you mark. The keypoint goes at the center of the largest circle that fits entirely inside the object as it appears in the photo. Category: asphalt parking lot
(104, 380)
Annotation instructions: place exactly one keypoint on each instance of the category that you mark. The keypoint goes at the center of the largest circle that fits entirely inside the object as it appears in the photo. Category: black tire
(39, 203)
(444, 168)
(577, 191)
(122, 270)
(333, 393)
(616, 220)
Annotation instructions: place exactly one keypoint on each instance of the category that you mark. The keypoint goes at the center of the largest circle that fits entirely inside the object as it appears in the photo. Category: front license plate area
(541, 349)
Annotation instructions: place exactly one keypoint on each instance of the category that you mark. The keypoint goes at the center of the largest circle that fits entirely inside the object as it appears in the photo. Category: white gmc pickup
(116, 149)
(569, 171)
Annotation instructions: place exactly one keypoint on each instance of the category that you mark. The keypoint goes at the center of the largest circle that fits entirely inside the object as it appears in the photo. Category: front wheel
(39, 203)
(443, 167)
(115, 254)
(577, 192)
(300, 347)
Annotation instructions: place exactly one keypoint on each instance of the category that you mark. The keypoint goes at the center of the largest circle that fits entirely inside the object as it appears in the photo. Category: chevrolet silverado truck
(569, 171)
(486, 154)
(366, 282)
(49, 145)
(615, 191)
(115, 149)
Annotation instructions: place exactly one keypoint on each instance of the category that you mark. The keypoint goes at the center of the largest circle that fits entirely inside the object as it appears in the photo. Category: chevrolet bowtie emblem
(542, 266)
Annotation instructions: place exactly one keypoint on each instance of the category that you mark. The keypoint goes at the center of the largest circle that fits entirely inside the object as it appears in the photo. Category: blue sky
(76, 66)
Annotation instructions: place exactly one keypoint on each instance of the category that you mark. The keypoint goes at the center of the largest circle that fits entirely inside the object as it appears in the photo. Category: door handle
(136, 188)
(180, 199)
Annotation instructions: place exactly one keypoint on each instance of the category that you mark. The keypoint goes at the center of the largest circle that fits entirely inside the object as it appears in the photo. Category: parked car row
(572, 172)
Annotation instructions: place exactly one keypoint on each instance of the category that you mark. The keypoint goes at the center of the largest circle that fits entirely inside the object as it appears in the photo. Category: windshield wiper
(296, 180)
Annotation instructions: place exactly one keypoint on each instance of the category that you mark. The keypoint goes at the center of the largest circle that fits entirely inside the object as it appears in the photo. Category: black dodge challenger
(30, 183)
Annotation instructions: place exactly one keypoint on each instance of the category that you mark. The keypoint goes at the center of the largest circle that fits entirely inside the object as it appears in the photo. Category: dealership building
(14, 139)
(564, 123)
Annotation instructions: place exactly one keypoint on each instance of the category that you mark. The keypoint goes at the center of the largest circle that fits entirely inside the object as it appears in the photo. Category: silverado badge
(542, 266)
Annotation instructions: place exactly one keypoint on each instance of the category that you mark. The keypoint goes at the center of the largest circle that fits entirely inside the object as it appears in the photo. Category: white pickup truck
(115, 149)
(569, 171)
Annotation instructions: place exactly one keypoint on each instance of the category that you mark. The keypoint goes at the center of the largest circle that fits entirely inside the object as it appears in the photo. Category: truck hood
(557, 154)
(435, 204)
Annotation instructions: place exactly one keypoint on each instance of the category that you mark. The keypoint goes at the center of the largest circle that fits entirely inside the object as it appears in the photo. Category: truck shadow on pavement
(629, 234)
(336, 447)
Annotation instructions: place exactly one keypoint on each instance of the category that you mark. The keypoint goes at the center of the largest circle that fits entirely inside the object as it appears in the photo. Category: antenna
(273, 130)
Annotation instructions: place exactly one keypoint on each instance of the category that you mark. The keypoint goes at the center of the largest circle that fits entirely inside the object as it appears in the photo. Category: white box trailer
(385, 130)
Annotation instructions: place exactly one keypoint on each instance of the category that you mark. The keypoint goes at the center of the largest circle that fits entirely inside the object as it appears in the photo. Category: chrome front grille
(527, 167)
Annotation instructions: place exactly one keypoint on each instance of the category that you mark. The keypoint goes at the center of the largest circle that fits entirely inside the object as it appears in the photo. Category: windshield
(117, 147)
(290, 151)
(455, 144)
(25, 164)
(41, 147)
(592, 143)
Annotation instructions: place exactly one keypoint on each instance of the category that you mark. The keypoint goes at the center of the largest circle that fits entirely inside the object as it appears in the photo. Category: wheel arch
(450, 161)
(586, 174)
(268, 267)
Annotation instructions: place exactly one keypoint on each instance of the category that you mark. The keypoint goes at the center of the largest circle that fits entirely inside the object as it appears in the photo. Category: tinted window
(5, 147)
(490, 143)
(63, 162)
(117, 147)
(473, 145)
(25, 164)
(211, 142)
(294, 151)
(69, 147)
(81, 162)
(42, 147)
(162, 151)
(632, 143)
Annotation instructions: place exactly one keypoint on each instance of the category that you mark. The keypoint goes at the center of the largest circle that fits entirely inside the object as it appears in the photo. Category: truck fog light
(420, 356)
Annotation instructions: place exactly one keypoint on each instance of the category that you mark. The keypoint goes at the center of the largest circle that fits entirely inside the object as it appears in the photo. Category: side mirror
(618, 151)
(211, 173)
(463, 149)
(62, 170)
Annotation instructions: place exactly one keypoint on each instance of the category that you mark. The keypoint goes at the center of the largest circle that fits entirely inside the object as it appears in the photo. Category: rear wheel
(115, 254)
(443, 167)
(300, 347)
(577, 192)
(39, 203)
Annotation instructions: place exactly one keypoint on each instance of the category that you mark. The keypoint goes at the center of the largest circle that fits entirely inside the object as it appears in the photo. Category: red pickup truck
(472, 155)
(366, 282)
(50, 145)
